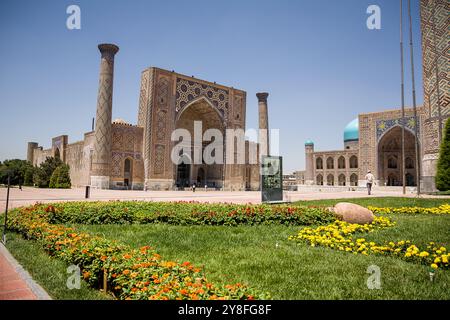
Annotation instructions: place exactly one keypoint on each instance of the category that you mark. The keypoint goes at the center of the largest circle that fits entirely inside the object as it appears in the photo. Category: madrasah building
(373, 141)
(119, 155)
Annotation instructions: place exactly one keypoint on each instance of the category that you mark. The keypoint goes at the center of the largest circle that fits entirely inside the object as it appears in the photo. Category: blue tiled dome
(351, 131)
(309, 143)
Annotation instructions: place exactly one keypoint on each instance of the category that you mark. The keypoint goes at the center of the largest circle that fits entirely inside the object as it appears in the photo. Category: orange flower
(84, 251)
(134, 289)
(183, 291)
(186, 263)
(103, 258)
(156, 281)
(127, 256)
(86, 274)
(126, 271)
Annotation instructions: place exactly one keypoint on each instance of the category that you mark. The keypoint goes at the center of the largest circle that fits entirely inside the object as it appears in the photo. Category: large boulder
(353, 213)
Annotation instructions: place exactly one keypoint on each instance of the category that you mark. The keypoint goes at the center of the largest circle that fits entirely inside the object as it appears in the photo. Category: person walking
(370, 179)
(193, 187)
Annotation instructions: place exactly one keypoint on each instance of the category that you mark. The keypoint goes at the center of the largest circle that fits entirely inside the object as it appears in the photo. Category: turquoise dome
(309, 143)
(351, 131)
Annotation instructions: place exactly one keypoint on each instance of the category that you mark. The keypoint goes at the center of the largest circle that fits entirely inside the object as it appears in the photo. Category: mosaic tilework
(385, 125)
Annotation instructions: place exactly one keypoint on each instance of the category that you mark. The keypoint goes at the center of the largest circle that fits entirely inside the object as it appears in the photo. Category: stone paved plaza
(30, 196)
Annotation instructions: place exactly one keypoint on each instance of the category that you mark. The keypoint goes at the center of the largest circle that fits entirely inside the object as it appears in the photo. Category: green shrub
(443, 167)
(60, 177)
(186, 213)
(44, 172)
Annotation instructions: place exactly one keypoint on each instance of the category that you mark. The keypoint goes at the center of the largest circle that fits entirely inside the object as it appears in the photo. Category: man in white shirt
(369, 178)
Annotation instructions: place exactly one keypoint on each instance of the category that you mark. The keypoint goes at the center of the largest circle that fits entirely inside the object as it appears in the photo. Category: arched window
(409, 180)
(353, 162)
(341, 179)
(393, 180)
(127, 166)
(128, 172)
(57, 153)
(354, 180)
(392, 163)
(319, 180)
(341, 162)
(409, 163)
(319, 163)
(330, 163)
(330, 180)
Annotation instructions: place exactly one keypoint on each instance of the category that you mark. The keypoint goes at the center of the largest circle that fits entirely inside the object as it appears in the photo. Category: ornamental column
(309, 162)
(101, 159)
(263, 123)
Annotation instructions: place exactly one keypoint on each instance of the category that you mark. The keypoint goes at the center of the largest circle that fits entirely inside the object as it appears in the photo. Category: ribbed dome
(351, 131)
(309, 143)
(120, 121)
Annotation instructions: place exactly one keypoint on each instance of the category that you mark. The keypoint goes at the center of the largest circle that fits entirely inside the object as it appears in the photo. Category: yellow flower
(434, 266)
(424, 254)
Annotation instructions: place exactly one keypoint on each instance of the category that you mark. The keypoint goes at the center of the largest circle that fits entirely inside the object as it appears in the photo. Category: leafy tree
(443, 166)
(16, 169)
(43, 174)
(60, 177)
(28, 176)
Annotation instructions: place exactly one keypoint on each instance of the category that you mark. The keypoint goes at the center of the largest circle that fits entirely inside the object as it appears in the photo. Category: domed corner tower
(351, 135)
(309, 162)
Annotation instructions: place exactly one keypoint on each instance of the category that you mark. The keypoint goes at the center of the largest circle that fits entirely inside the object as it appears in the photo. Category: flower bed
(185, 213)
(443, 209)
(342, 236)
(129, 273)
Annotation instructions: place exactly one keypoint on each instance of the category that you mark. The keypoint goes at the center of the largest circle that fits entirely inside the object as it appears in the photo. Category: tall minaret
(263, 123)
(309, 162)
(101, 160)
(435, 27)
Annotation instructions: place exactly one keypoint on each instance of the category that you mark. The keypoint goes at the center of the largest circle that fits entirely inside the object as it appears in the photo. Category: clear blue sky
(316, 58)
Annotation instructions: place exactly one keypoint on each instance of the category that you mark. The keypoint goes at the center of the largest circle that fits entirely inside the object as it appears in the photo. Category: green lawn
(380, 202)
(249, 254)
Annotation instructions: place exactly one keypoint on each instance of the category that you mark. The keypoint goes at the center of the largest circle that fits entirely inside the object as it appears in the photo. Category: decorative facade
(373, 141)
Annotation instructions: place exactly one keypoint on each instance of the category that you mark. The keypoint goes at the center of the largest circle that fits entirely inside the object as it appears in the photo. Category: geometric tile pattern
(383, 126)
(163, 96)
(435, 28)
(188, 90)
